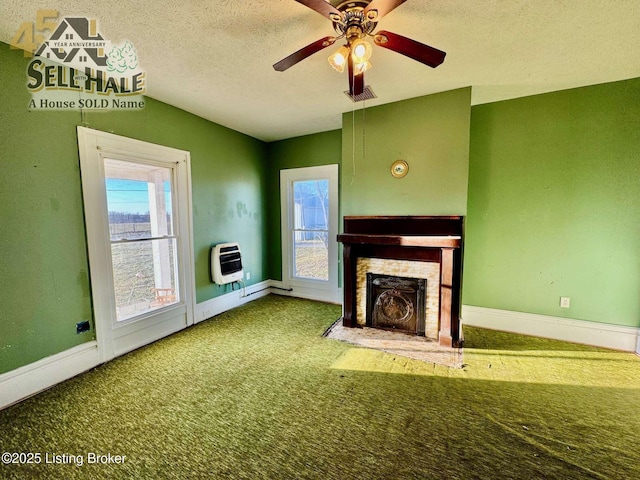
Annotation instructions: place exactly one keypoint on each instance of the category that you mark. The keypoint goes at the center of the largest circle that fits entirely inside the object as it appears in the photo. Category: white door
(138, 215)
(309, 213)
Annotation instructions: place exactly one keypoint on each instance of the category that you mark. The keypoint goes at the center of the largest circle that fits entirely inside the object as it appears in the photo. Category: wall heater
(226, 263)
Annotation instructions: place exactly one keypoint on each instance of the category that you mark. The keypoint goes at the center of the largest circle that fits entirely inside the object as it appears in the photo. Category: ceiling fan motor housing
(353, 23)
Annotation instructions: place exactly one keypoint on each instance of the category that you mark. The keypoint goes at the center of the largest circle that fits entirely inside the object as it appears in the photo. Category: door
(138, 218)
(309, 213)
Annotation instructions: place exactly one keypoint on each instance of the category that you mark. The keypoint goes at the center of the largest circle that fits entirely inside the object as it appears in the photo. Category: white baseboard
(228, 301)
(558, 328)
(26, 381)
(328, 296)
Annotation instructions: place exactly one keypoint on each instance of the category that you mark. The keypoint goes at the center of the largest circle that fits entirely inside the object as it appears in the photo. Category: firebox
(396, 303)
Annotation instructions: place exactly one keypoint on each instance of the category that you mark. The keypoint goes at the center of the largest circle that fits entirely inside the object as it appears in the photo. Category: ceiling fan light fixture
(361, 51)
(338, 59)
(362, 67)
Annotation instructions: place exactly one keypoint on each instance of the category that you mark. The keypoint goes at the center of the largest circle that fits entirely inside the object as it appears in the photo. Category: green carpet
(257, 393)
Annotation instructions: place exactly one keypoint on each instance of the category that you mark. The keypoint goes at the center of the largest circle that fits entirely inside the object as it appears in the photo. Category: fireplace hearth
(420, 252)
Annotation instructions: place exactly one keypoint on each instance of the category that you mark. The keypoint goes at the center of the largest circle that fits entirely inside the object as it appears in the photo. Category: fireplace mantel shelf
(426, 241)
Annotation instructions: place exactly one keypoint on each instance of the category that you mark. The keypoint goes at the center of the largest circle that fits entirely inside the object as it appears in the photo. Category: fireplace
(420, 253)
(396, 303)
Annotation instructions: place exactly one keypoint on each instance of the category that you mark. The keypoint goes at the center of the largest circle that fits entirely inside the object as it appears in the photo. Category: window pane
(138, 199)
(311, 204)
(143, 276)
(311, 255)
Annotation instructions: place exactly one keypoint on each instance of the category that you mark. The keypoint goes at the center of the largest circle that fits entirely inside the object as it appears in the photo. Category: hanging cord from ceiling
(364, 130)
(353, 136)
(353, 142)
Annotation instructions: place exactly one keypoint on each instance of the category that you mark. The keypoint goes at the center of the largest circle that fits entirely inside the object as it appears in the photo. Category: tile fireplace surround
(409, 246)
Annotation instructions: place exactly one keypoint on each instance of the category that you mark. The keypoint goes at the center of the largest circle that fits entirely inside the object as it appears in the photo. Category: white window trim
(323, 290)
(93, 146)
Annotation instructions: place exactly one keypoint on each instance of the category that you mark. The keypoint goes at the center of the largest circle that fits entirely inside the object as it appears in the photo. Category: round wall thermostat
(399, 168)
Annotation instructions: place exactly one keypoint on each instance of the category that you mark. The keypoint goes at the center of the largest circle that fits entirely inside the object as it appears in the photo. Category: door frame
(117, 338)
(326, 291)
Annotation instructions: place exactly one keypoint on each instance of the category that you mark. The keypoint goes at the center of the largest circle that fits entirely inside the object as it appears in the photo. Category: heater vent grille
(367, 94)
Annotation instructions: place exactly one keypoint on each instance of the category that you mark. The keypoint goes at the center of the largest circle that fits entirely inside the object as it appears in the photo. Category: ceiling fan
(354, 21)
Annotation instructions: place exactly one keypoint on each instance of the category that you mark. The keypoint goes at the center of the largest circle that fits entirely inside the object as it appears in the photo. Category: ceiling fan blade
(323, 8)
(418, 51)
(379, 8)
(356, 82)
(303, 53)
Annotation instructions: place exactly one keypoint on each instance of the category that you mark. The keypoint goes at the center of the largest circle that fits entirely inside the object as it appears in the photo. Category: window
(311, 229)
(309, 208)
(143, 247)
(137, 203)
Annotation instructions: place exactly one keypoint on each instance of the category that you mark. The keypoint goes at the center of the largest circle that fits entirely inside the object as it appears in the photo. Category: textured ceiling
(214, 58)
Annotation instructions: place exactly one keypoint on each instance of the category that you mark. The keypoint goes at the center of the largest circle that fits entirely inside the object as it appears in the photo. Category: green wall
(44, 286)
(554, 204)
(44, 280)
(306, 151)
(431, 133)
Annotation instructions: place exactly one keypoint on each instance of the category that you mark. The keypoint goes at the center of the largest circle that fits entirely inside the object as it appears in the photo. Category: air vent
(367, 94)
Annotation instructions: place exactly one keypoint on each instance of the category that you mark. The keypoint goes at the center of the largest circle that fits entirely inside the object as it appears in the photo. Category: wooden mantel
(434, 241)
(416, 238)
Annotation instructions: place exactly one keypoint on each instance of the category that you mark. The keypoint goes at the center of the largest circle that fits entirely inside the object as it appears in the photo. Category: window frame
(316, 289)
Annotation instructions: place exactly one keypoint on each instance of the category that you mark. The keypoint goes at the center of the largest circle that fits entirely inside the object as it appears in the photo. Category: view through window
(143, 245)
(311, 229)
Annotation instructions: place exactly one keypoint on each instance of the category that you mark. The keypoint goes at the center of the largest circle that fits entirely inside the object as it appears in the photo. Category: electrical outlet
(82, 327)
(248, 275)
(565, 302)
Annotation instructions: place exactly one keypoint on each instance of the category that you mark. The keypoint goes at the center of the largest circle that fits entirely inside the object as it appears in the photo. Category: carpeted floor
(258, 393)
